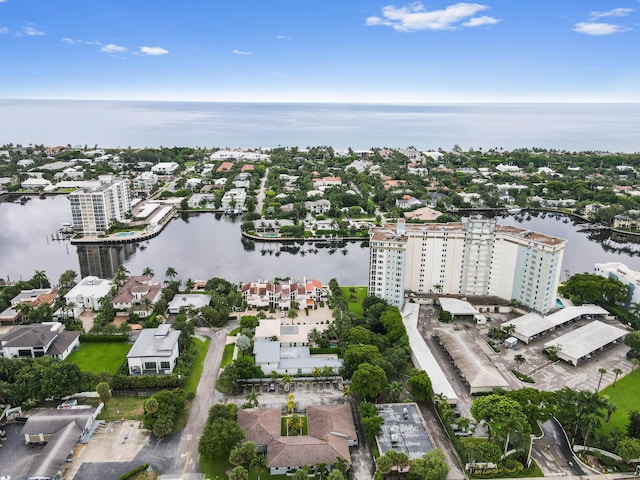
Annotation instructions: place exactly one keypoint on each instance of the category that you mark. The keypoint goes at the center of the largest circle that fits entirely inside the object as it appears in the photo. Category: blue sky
(322, 50)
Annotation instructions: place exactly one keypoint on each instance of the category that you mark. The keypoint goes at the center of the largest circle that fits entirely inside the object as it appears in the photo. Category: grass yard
(355, 307)
(100, 357)
(624, 395)
(227, 355)
(216, 470)
(198, 364)
(129, 408)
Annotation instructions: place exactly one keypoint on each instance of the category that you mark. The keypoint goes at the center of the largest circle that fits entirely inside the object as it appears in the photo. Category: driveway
(553, 454)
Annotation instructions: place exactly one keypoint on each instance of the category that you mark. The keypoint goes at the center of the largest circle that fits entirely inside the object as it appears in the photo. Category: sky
(321, 50)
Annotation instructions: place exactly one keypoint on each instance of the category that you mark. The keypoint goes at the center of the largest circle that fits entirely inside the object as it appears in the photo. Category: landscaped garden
(354, 297)
(624, 395)
(100, 357)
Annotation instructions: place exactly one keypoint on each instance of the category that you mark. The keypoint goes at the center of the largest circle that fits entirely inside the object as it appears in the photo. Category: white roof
(195, 300)
(582, 341)
(456, 306)
(422, 356)
(90, 287)
(533, 324)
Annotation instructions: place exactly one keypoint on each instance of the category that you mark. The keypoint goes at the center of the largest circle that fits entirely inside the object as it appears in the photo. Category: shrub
(85, 337)
(134, 471)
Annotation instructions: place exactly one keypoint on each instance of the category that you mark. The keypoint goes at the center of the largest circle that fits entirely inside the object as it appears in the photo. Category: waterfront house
(89, 292)
(188, 302)
(265, 294)
(33, 298)
(39, 339)
(234, 199)
(155, 351)
(138, 293)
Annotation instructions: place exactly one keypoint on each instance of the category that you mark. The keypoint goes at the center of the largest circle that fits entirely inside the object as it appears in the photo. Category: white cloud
(153, 51)
(478, 21)
(597, 28)
(240, 52)
(616, 12)
(32, 31)
(414, 17)
(283, 37)
(70, 41)
(113, 48)
(3, 30)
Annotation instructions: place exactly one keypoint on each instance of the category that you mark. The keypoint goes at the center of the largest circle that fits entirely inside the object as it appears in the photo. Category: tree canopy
(591, 288)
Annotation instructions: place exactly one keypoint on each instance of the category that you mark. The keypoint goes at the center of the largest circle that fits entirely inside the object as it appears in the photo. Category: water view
(206, 245)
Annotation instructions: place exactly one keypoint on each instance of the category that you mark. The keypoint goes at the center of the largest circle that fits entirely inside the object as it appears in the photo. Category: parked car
(272, 387)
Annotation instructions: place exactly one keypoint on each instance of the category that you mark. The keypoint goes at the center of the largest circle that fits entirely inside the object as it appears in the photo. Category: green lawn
(355, 306)
(216, 470)
(227, 354)
(624, 395)
(100, 357)
(129, 408)
(198, 364)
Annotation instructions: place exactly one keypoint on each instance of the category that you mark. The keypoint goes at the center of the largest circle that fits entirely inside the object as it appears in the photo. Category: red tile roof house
(133, 293)
(331, 432)
(270, 295)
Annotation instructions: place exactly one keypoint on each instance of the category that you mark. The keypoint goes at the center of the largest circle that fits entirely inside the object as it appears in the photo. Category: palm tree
(519, 359)
(395, 389)
(321, 470)
(316, 373)
(238, 473)
(286, 381)
(148, 272)
(342, 465)
(634, 309)
(258, 464)
(617, 371)
(170, 273)
(24, 309)
(601, 371)
(39, 276)
(252, 398)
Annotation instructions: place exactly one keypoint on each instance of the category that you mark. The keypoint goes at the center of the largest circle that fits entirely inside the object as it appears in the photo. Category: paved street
(553, 453)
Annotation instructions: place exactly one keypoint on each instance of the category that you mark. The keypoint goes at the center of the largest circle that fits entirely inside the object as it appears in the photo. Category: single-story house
(188, 302)
(155, 351)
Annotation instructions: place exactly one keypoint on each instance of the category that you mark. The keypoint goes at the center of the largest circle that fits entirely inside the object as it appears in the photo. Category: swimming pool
(126, 234)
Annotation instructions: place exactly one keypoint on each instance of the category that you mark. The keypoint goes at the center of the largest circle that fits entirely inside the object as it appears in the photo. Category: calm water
(575, 127)
(201, 247)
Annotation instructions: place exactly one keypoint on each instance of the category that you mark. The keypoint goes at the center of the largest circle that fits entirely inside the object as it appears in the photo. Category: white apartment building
(145, 182)
(233, 198)
(94, 209)
(477, 257)
(622, 272)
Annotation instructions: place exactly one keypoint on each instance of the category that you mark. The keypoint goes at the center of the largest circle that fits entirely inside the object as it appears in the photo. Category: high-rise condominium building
(93, 210)
(477, 257)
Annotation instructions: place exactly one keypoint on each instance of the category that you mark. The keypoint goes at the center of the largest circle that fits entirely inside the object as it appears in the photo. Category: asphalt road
(553, 453)
(187, 458)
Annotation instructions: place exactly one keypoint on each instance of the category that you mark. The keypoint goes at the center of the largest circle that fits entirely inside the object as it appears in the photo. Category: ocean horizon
(612, 127)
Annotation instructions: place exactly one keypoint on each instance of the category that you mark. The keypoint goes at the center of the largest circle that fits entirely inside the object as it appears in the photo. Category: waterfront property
(93, 210)
(330, 433)
(188, 302)
(626, 275)
(37, 340)
(476, 257)
(32, 298)
(266, 294)
(155, 351)
(88, 293)
(138, 293)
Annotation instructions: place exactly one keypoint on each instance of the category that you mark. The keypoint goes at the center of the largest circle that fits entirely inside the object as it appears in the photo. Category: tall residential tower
(93, 210)
(477, 257)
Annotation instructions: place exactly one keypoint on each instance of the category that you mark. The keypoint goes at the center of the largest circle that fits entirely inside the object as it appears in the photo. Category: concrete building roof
(155, 342)
(533, 324)
(50, 421)
(410, 431)
(457, 307)
(90, 287)
(423, 357)
(266, 351)
(189, 301)
(472, 362)
(587, 339)
(55, 453)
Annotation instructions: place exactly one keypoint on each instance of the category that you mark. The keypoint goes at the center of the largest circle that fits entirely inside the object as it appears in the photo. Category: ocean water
(573, 127)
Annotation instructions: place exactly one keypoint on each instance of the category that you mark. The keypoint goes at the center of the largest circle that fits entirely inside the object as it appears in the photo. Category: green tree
(151, 405)
(251, 400)
(301, 474)
(633, 427)
(369, 381)
(394, 390)
(219, 437)
(431, 466)
(148, 272)
(632, 340)
(258, 465)
(601, 371)
(618, 372)
(480, 450)
(372, 427)
(171, 273)
(40, 279)
(419, 385)
(335, 475)
(503, 417)
(385, 463)
(628, 449)
(592, 288)
(243, 343)
(519, 359)
(104, 391)
(239, 473)
(162, 426)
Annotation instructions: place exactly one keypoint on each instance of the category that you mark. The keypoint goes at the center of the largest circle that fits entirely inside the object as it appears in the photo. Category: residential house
(280, 295)
(33, 298)
(318, 207)
(271, 228)
(89, 292)
(326, 182)
(138, 293)
(145, 182)
(155, 351)
(35, 183)
(188, 302)
(165, 168)
(330, 433)
(407, 201)
(234, 199)
(200, 200)
(39, 339)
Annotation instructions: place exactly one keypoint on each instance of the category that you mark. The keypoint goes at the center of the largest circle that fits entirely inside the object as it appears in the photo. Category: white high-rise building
(94, 209)
(622, 272)
(477, 257)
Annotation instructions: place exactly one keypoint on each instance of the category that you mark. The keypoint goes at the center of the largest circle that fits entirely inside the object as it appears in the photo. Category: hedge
(133, 472)
(125, 382)
(85, 337)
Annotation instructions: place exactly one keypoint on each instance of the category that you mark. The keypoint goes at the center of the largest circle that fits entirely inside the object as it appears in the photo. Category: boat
(514, 210)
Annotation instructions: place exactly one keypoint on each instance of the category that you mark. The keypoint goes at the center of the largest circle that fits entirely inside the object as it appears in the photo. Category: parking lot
(16, 458)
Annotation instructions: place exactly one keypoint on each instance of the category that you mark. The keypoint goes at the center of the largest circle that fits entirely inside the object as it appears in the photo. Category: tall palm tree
(39, 276)
(519, 359)
(252, 398)
(617, 371)
(342, 465)
(395, 389)
(258, 464)
(148, 272)
(601, 371)
(170, 273)
(634, 309)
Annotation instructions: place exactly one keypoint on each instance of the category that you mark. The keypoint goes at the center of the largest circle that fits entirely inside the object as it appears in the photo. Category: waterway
(204, 246)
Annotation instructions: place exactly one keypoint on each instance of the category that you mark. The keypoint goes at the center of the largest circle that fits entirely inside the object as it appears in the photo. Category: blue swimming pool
(559, 303)
(126, 234)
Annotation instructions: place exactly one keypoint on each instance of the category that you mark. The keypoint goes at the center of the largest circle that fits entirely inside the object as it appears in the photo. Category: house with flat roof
(33, 298)
(165, 168)
(330, 428)
(88, 292)
(188, 302)
(155, 351)
(266, 294)
(39, 339)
